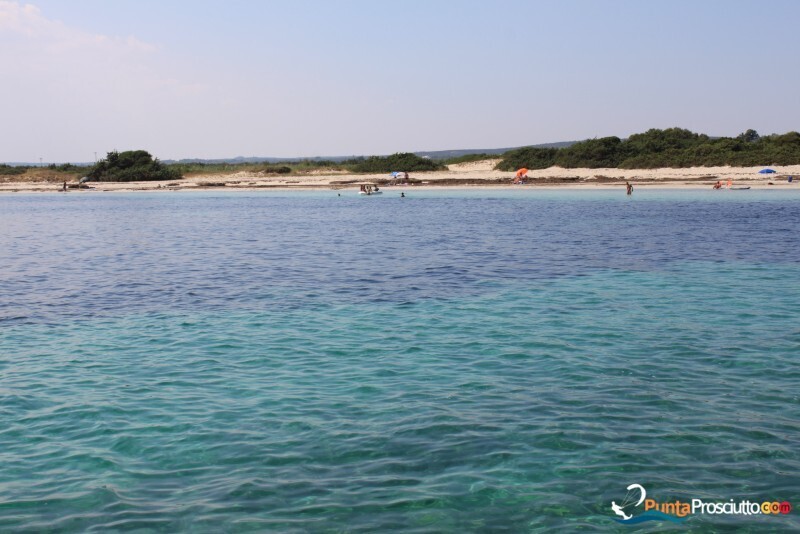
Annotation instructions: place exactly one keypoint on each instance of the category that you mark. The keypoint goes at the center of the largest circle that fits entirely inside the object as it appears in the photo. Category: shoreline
(672, 186)
(472, 175)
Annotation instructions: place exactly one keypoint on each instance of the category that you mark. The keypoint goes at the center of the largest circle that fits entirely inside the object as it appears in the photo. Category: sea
(487, 360)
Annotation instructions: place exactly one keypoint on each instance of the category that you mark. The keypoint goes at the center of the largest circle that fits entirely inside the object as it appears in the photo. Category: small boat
(370, 189)
(741, 187)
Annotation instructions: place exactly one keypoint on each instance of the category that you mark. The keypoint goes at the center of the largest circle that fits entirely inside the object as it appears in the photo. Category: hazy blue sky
(309, 78)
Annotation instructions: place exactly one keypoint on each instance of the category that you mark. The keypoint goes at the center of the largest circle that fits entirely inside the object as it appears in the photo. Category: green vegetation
(8, 170)
(373, 164)
(305, 165)
(405, 161)
(36, 173)
(131, 166)
(673, 147)
(530, 157)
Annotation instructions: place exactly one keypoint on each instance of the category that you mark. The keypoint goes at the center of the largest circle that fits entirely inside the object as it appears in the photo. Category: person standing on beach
(64, 187)
(628, 187)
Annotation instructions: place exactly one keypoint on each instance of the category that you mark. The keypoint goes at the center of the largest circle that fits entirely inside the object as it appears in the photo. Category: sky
(306, 78)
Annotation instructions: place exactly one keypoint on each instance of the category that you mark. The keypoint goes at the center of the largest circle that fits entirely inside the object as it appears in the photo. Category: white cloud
(68, 91)
(27, 20)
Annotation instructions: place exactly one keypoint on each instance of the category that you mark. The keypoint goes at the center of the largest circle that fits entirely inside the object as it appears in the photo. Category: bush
(592, 154)
(131, 166)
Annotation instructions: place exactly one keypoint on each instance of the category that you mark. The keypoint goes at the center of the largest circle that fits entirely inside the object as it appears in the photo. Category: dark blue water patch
(65, 257)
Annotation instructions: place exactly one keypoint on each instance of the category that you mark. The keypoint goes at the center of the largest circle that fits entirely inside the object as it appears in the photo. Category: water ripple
(446, 375)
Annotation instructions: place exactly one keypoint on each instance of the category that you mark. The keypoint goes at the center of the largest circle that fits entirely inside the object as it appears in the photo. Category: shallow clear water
(451, 361)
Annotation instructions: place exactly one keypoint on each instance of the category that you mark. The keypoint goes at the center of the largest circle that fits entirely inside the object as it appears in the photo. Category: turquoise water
(451, 361)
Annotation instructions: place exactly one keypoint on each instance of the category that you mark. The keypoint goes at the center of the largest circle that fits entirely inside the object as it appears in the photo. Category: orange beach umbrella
(522, 172)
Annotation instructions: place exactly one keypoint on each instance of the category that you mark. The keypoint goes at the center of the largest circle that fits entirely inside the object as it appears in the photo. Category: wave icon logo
(635, 497)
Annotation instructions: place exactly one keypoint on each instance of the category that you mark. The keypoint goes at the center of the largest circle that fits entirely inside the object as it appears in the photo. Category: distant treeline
(673, 147)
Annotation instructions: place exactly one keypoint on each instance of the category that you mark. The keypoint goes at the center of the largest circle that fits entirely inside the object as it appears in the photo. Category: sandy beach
(473, 174)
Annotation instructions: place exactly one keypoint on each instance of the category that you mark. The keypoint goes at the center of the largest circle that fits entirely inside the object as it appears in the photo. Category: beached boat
(740, 188)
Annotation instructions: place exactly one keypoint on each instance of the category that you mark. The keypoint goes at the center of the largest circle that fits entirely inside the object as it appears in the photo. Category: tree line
(139, 165)
(673, 147)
